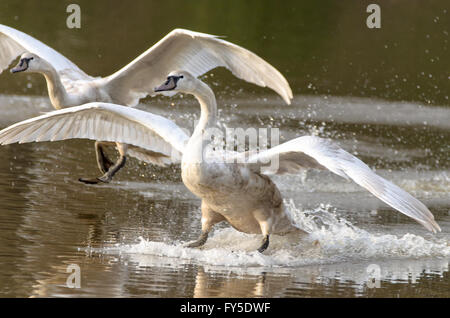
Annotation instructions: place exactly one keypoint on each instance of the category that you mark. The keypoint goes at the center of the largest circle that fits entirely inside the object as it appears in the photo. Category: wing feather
(14, 43)
(314, 152)
(196, 53)
(155, 135)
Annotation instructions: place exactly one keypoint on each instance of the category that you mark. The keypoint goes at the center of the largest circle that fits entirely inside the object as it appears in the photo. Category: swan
(239, 191)
(69, 86)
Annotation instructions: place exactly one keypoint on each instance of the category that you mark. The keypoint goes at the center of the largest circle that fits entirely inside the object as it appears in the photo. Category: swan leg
(265, 223)
(104, 164)
(209, 219)
(200, 241)
(107, 177)
(265, 244)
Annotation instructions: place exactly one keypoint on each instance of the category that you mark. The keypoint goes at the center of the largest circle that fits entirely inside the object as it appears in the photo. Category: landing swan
(239, 192)
(69, 86)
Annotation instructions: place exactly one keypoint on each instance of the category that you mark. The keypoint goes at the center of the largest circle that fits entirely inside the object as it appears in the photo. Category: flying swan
(238, 192)
(69, 86)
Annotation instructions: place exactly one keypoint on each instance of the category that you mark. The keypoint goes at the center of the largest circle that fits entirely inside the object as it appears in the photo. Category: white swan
(69, 86)
(238, 192)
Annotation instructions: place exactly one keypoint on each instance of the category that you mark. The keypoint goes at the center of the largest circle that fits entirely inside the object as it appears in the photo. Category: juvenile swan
(239, 192)
(69, 86)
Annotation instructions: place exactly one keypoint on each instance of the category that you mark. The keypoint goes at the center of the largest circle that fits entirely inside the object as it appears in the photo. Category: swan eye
(175, 80)
(25, 60)
(174, 77)
(169, 84)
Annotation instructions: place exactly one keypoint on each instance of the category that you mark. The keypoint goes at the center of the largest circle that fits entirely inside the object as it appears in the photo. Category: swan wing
(149, 156)
(313, 152)
(14, 43)
(153, 134)
(196, 53)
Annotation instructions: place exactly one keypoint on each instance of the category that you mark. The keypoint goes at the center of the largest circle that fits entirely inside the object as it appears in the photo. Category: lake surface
(381, 94)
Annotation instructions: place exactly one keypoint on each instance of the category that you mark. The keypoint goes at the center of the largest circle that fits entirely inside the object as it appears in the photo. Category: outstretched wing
(14, 43)
(196, 53)
(314, 152)
(153, 134)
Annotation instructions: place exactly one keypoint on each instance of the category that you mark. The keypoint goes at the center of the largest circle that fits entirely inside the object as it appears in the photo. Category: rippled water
(127, 236)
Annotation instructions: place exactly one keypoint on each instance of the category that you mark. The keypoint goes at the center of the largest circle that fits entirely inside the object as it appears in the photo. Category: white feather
(196, 53)
(13, 43)
(323, 154)
(151, 133)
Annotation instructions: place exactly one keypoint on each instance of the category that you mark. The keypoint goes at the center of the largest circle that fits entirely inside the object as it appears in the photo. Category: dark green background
(322, 47)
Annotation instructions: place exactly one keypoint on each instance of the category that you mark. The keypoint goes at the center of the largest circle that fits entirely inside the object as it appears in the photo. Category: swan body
(242, 195)
(69, 86)
(250, 202)
(239, 192)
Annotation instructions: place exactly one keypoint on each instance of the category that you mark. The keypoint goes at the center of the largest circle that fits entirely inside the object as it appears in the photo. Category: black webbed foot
(199, 242)
(264, 245)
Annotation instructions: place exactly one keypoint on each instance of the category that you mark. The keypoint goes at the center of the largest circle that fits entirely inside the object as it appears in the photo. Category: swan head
(177, 81)
(30, 63)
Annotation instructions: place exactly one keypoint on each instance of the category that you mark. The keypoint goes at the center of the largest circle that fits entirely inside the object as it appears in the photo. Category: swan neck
(198, 143)
(56, 90)
(208, 107)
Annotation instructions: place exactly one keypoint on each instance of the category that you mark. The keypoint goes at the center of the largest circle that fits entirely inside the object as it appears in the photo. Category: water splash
(330, 239)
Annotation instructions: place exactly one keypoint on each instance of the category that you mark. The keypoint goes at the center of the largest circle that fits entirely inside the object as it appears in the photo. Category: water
(127, 236)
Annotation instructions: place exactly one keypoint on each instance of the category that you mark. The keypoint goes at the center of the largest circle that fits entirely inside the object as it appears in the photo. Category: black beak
(167, 86)
(22, 66)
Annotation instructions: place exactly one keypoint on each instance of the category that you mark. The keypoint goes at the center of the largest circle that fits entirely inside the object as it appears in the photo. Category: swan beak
(22, 66)
(169, 84)
(165, 87)
(17, 70)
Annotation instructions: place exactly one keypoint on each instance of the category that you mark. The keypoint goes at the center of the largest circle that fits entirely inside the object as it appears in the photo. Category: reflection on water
(127, 236)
